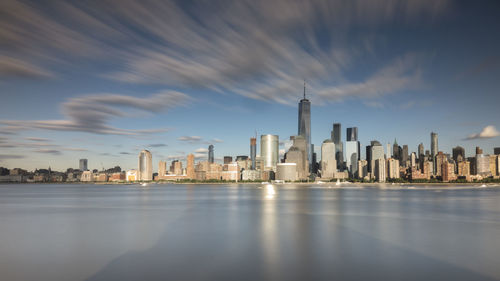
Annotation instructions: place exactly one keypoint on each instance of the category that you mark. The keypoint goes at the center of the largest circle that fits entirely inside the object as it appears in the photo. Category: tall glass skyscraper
(305, 124)
(352, 150)
(211, 154)
(434, 149)
(339, 146)
(145, 171)
(269, 151)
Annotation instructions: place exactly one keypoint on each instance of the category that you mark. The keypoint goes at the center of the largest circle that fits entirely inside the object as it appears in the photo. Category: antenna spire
(304, 89)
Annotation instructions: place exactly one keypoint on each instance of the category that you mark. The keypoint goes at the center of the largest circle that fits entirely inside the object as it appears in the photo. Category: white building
(145, 171)
(286, 171)
(328, 162)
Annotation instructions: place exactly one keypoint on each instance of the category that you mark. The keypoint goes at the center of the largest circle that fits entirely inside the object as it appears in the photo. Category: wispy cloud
(91, 114)
(190, 138)
(48, 151)
(487, 132)
(11, 156)
(201, 150)
(37, 139)
(157, 145)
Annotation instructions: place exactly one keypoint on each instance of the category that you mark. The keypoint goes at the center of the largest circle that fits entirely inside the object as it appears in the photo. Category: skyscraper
(376, 153)
(421, 152)
(434, 149)
(304, 128)
(404, 156)
(328, 162)
(211, 154)
(253, 151)
(190, 167)
(352, 134)
(83, 165)
(269, 151)
(339, 146)
(145, 171)
(458, 151)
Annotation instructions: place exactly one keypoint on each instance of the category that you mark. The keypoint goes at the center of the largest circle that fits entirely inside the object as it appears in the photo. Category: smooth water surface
(248, 232)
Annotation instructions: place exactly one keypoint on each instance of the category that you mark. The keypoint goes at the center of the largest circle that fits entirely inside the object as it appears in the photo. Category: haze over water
(248, 232)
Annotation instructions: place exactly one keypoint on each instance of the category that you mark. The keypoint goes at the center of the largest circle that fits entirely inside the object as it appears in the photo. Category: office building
(362, 169)
(83, 165)
(496, 150)
(413, 159)
(286, 171)
(304, 124)
(392, 168)
(269, 151)
(162, 168)
(376, 152)
(352, 156)
(380, 169)
(211, 158)
(336, 136)
(352, 134)
(253, 152)
(228, 159)
(421, 152)
(458, 154)
(328, 161)
(404, 156)
(298, 154)
(190, 172)
(145, 171)
(434, 150)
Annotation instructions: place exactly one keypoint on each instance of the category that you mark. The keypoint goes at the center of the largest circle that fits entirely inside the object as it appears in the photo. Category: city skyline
(60, 107)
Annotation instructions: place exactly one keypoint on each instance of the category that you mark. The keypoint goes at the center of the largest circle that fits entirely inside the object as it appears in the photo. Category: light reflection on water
(248, 232)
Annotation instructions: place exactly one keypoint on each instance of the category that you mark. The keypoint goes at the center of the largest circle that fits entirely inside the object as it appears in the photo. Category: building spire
(304, 89)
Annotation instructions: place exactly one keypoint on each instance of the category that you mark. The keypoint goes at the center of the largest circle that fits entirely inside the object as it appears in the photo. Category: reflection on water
(248, 232)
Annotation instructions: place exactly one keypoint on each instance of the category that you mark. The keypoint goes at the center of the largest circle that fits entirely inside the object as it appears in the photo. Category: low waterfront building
(286, 171)
(87, 176)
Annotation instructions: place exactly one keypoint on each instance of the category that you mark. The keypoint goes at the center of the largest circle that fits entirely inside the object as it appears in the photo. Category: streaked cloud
(487, 132)
(201, 150)
(190, 138)
(11, 156)
(91, 114)
(48, 151)
(157, 145)
(37, 139)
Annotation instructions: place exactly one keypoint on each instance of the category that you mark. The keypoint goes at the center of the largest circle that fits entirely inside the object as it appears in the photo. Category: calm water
(248, 232)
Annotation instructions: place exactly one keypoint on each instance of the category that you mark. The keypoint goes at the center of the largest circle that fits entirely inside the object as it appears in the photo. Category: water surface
(248, 232)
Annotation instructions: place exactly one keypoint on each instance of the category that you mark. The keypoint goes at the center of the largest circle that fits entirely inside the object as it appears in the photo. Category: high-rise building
(392, 168)
(190, 167)
(458, 152)
(298, 154)
(376, 152)
(162, 168)
(413, 160)
(421, 152)
(496, 150)
(352, 134)
(339, 146)
(434, 150)
(83, 165)
(253, 151)
(145, 171)
(396, 150)
(228, 159)
(211, 154)
(328, 162)
(380, 170)
(269, 151)
(352, 156)
(304, 128)
(440, 159)
(404, 156)
(388, 152)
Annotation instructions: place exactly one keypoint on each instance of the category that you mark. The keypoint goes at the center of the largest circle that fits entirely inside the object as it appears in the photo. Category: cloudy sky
(104, 79)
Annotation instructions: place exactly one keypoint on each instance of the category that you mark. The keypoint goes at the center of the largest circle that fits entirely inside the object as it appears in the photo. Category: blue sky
(103, 80)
